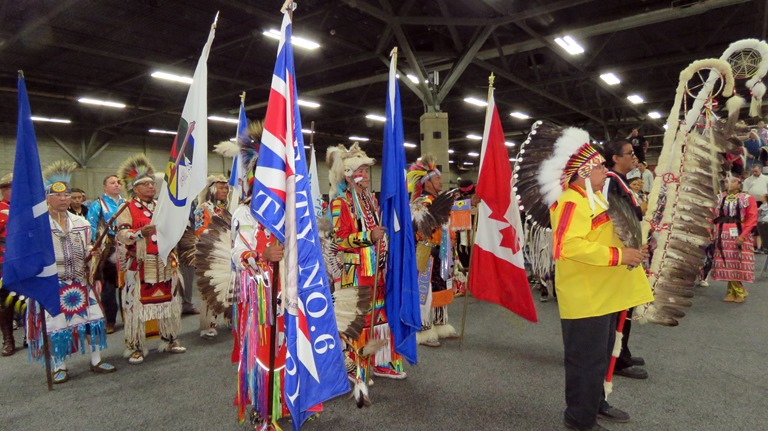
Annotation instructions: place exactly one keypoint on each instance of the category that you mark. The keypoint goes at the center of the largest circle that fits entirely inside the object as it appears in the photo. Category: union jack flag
(282, 202)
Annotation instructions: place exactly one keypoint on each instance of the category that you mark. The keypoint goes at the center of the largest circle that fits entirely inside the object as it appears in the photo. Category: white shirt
(756, 186)
(647, 177)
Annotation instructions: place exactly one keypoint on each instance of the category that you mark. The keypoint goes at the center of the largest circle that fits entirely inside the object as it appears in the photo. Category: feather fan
(427, 218)
(625, 222)
(352, 305)
(213, 265)
(186, 247)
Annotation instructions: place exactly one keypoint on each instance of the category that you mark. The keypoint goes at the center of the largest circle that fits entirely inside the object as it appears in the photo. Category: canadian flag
(497, 270)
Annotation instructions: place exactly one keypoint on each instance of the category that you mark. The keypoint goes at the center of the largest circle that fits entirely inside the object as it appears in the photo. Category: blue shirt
(102, 208)
(753, 146)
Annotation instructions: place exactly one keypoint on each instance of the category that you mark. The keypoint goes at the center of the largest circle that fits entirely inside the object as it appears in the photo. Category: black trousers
(623, 360)
(109, 292)
(588, 344)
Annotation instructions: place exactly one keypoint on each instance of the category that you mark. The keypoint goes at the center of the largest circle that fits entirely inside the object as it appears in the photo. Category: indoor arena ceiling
(108, 49)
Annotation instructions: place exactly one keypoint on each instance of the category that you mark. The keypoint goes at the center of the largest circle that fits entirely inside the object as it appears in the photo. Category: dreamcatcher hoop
(700, 78)
(745, 63)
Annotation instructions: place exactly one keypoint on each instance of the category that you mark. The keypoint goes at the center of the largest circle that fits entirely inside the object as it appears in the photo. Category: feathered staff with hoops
(686, 186)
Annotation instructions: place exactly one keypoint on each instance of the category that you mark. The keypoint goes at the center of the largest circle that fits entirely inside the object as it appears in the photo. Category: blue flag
(237, 170)
(30, 264)
(282, 202)
(402, 291)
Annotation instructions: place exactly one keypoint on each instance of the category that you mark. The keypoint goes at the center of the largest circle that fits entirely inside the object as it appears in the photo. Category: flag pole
(312, 136)
(272, 342)
(46, 348)
(474, 229)
(287, 6)
(466, 294)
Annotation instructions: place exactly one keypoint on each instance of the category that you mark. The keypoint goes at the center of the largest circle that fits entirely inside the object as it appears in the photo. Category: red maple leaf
(508, 234)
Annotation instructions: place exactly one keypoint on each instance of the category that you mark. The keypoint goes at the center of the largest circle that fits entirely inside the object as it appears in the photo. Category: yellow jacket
(589, 279)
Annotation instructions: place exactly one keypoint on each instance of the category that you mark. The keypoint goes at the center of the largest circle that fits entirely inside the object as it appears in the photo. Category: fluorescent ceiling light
(223, 119)
(512, 159)
(450, 161)
(474, 137)
(232, 139)
(570, 45)
(509, 144)
(610, 79)
(172, 77)
(51, 120)
(473, 154)
(306, 131)
(106, 103)
(162, 132)
(655, 115)
(520, 115)
(409, 145)
(468, 163)
(635, 99)
(308, 104)
(450, 151)
(476, 102)
(376, 117)
(358, 138)
(412, 78)
(295, 40)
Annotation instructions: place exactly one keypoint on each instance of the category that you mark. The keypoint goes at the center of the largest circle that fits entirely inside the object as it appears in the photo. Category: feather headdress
(6, 180)
(208, 193)
(419, 173)
(547, 160)
(342, 163)
(247, 148)
(135, 170)
(58, 175)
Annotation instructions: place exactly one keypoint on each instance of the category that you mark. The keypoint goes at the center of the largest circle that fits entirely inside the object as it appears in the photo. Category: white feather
(566, 145)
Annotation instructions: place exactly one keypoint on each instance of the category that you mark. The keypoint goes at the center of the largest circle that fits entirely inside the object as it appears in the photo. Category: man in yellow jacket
(560, 174)
(593, 285)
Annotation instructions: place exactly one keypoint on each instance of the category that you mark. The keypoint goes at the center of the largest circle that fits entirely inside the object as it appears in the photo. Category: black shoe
(612, 414)
(572, 426)
(632, 373)
(636, 360)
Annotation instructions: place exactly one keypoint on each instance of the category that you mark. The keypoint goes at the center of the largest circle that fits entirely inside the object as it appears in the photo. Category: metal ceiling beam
(635, 21)
(451, 28)
(62, 145)
(521, 82)
(418, 70)
(35, 24)
(135, 60)
(407, 82)
(498, 21)
(464, 61)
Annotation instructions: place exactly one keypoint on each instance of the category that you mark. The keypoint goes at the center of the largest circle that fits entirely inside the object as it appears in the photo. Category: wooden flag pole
(46, 347)
(466, 294)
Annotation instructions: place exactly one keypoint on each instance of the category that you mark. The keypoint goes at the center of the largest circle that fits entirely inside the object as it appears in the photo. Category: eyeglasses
(631, 153)
(61, 195)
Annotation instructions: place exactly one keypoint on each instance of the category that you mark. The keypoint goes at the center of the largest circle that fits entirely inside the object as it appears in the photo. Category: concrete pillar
(434, 140)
